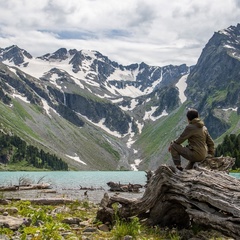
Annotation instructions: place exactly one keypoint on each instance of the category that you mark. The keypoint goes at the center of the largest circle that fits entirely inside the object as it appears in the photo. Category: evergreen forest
(14, 150)
(230, 147)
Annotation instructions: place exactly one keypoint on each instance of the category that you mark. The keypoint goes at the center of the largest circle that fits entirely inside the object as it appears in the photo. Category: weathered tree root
(181, 198)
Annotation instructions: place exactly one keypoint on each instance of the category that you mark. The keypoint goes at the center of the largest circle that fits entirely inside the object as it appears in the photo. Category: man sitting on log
(200, 144)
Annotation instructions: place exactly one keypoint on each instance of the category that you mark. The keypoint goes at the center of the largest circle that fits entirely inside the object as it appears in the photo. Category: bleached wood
(179, 198)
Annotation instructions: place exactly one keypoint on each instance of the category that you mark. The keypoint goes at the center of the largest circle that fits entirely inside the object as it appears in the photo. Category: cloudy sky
(157, 32)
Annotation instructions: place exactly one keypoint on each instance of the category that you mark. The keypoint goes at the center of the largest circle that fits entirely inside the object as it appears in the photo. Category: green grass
(47, 222)
(13, 118)
(234, 122)
(20, 166)
(218, 96)
(109, 149)
(19, 110)
(156, 135)
(124, 228)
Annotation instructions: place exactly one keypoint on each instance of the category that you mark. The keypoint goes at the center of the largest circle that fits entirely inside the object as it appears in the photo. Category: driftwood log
(9, 188)
(206, 196)
(26, 187)
(51, 201)
(118, 187)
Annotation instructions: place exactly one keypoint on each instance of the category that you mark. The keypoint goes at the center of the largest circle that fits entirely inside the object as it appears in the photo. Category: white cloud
(156, 32)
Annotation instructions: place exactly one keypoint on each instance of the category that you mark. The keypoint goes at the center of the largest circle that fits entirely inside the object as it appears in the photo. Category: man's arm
(210, 144)
(184, 136)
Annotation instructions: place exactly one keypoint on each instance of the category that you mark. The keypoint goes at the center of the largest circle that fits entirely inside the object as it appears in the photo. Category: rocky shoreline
(93, 196)
(64, 218)
(37, 217)
(71, 214)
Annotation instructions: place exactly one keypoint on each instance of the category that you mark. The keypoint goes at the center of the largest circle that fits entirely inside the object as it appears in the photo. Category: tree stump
(176, 198)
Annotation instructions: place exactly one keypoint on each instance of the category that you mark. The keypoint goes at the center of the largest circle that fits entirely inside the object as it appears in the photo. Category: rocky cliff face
(213, 84)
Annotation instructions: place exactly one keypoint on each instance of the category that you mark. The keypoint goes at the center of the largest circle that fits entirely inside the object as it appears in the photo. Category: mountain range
(97, 114)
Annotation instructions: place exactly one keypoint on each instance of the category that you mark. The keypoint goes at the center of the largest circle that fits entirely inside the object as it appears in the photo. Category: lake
(68, 184)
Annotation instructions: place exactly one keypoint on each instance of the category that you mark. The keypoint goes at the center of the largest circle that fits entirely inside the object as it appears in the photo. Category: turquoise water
(236, 175)
(68, 184)
(94, 179)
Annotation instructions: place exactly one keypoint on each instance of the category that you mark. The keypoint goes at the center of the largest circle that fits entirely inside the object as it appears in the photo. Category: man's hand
(169, 148)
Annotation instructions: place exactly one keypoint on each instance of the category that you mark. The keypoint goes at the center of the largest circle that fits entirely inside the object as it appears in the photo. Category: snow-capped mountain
(91, 68)
(88, 89)
(63, 72)
(99, 114)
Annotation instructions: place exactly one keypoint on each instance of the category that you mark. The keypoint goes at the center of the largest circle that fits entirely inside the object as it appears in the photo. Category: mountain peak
(217, 74)
(14, 54)
(59, 55)
(230, 31)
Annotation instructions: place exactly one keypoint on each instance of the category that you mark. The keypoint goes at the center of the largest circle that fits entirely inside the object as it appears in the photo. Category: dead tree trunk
(180, 198)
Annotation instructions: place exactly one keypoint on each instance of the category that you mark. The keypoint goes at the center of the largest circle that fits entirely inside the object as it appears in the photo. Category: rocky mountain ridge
(116, 110)
(214, 82)
(92, 76)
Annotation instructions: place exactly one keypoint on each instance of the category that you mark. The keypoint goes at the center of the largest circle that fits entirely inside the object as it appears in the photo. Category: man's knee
(176, 147)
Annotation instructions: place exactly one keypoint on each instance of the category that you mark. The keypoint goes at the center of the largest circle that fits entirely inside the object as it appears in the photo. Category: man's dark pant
(178, 150)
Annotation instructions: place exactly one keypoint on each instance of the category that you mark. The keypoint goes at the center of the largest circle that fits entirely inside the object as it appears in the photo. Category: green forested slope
(16, 154)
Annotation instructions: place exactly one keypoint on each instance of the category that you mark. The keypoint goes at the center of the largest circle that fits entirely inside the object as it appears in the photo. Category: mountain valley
(97, 114)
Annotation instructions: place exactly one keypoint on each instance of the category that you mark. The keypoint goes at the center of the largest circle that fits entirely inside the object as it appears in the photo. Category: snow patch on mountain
(116, 100)
(135, 165)
(229, 46)
(76, 158)
(235, 55)
(104, 96)
(225, 32)
(230, 109)
(182, 86)
(38, 68)
(89, 54)
(129, 91)
(53, 80)
(133, 104)
(13, 70)
(15, 95)
(47, 108)
(123, 75)
(101, 125)
(130, 142)
(149, 114)
(140, 126)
